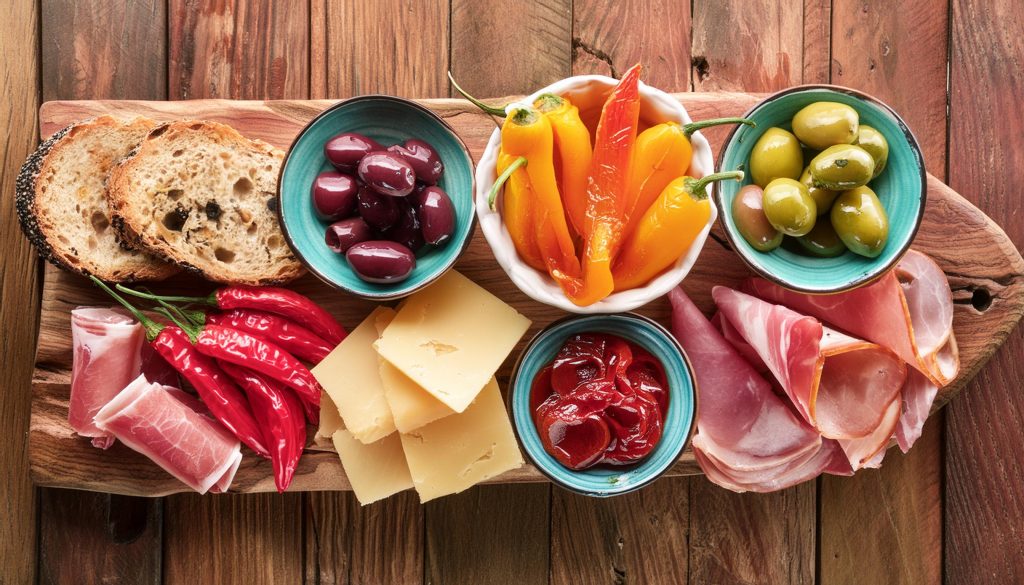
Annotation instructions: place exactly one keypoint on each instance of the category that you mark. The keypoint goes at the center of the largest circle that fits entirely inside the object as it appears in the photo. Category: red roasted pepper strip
(292, 337)
(279, 412)
(606, 187)
(226, 402)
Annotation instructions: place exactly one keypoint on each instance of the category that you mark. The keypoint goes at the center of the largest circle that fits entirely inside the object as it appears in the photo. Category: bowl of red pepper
(603, 404)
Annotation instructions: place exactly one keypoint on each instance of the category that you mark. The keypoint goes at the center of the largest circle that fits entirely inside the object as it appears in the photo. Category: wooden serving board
(984, 269)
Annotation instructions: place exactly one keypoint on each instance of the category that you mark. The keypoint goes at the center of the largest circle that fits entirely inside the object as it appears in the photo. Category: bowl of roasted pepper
(593, 194)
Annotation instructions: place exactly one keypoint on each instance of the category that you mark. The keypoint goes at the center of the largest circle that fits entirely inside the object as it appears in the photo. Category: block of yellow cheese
(350, 374)
(375, 471)
(411, 406)
(330, 419)
(451, 338)
(456, 452)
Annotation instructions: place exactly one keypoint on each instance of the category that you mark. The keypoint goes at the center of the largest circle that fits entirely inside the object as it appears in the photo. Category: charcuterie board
(984, 269)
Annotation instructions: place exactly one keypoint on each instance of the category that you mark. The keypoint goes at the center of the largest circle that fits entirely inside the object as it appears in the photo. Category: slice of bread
(203, 196)
(63, 208)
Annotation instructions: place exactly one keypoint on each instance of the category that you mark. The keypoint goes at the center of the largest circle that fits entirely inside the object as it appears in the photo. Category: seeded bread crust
(61, 244)
(202, 196)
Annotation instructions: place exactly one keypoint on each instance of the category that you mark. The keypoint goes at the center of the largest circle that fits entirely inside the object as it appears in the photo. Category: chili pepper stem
(492, 196)
(696, 186)
(689, 129)
(190, 330)
(210, 299)
(492, 110)
(548, 102)
(152, 327)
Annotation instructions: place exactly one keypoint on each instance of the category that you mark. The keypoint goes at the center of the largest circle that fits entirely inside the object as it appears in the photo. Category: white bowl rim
(540, 286)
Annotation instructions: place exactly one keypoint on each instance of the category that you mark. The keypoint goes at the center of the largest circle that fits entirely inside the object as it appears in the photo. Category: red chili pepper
(226, 402)
(292, 337)
(279, 412)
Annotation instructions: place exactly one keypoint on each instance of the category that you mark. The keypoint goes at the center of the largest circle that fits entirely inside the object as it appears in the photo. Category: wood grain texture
(238, 48)
(817, 46)
(102, 49)
(19, 293)
(489, 535)
(886, 526)
(984, 537)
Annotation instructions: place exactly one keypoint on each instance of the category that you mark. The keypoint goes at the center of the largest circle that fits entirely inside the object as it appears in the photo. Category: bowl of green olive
(834, 191)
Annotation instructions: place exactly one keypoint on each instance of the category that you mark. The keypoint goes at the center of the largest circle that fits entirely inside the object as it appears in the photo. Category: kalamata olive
(437, 214)
(381, 261)
(334, 195)
(753, 225)
(379, 211)
(342, 235)
(346, 150)
(387, 173)
(407, 230)
(423, 158)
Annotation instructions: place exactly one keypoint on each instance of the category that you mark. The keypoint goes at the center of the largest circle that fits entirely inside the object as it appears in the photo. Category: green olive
(877, 146)
(823, 198)
(789, 207)
(842, 167)
(822, 241)
(775, 155)
(748, 214)
(824, 124)
(860, 221)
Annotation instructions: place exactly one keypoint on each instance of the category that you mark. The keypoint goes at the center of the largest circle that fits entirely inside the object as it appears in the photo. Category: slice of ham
(156, 421)
(748, 439)
(105, 359)
(841, 385)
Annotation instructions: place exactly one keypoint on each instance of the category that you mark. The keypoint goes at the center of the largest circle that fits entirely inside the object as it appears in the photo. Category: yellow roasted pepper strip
(518, 209)
(572, 142)
(666, 230)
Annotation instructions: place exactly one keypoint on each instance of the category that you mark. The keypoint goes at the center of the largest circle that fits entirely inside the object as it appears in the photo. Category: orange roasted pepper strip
(572, 142)
(666, 230)
(518, 210)
(606, 188)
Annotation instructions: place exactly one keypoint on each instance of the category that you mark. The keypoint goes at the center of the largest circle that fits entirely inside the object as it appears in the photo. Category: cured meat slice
(862, 452)
(908, 310)
(841, 385)
(918, 395)
(747, 438)
(154, 421)
(105, 359)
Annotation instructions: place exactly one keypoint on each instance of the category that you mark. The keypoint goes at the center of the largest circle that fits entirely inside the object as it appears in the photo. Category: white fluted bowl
(588, 93)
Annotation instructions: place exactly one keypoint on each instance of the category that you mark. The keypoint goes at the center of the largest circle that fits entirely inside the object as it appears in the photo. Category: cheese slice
(451, 338)
(330, 418)
(411, 406)
(456, 452)
(375, 471)
(351, 377)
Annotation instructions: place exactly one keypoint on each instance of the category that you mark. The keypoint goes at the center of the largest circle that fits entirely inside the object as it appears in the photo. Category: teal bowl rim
(875, 272)
(382, 296)
(635, 320)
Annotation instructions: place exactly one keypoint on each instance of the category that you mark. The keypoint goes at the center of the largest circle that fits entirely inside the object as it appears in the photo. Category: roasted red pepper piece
(279, 412)
(292, 337)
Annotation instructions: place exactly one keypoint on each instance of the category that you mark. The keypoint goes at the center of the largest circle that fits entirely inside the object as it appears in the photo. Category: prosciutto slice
(842, 386)
(157, 422)
(748, 438)
(106, 356)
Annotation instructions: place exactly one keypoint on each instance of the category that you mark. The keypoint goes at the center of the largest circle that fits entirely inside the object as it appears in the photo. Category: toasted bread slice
(204, 197)
(63, 208)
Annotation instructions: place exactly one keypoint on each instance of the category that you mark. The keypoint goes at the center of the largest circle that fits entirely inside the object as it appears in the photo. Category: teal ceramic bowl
(902, 189)
(605, 481)
(388, 120)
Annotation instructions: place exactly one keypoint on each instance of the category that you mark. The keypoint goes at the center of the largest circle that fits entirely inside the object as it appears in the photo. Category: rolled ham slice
(844, 387)
(106, 348)
(157, 422)
(748, 438)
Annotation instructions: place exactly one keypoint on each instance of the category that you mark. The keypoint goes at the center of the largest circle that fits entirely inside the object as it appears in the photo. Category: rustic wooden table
(951, 511)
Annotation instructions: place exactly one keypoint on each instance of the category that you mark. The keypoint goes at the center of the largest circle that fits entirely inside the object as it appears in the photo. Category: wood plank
(886, 526)
(984, 446)
(637, 538)
(115, 50)
(817, 45)
(19, 292)
(984, 258)
(239, 48)
(236, 49)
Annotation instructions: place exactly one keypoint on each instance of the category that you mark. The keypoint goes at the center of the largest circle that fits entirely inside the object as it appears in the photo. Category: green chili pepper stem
(152, 327)
(696, 187)
(500, 181)
(492, 110)
(207, 300)
(197, 318)
(548, 102)
(689, 129)
(191, 331)
(524, 116)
